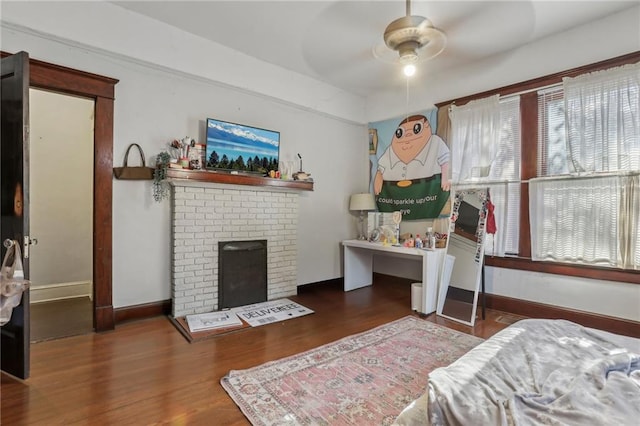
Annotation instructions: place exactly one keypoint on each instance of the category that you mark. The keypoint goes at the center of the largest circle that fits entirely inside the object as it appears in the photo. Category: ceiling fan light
(413, 37)
(409, 70)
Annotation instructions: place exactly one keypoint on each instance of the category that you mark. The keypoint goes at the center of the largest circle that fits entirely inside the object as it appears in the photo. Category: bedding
(536, 372)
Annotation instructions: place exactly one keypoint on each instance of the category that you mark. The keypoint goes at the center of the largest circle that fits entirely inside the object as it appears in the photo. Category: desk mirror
(462, 270)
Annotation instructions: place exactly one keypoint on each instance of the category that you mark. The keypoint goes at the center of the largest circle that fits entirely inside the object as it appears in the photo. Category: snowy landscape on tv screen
(232, 146)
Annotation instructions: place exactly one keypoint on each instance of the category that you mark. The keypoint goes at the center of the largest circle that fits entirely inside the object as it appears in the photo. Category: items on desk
(441, 240)
(396, 217)
(383, 234)
(405, 236)
(430, 239)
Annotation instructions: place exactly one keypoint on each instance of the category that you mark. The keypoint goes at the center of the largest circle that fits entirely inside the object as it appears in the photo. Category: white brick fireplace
(204, 214)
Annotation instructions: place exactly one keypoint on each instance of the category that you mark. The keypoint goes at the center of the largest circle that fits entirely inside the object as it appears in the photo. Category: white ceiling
(333, 41)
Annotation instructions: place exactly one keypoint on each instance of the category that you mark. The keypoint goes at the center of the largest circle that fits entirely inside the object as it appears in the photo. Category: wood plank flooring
(61, 318)
(146, 373)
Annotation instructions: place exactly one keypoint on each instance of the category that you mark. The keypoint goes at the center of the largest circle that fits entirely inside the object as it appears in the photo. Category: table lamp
(361, 203)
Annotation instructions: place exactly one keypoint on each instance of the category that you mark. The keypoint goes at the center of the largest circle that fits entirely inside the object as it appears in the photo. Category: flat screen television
(241, 148)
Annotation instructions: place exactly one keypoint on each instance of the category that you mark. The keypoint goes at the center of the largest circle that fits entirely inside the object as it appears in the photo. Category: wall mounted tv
(244, 149)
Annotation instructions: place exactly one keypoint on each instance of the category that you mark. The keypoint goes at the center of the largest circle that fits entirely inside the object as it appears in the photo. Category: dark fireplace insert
(242, 273)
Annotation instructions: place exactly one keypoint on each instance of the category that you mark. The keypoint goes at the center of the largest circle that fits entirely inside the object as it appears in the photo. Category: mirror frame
(458, 196)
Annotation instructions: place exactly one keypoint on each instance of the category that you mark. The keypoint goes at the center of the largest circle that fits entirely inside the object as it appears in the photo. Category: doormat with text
(271, 311)
(251, 315)
(182, 326)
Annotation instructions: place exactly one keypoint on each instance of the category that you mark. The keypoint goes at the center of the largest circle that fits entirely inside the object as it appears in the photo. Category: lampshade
(363, 201)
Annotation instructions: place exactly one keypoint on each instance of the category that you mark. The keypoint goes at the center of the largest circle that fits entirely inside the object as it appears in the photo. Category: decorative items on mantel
(238, 179)
(160, 185)
(300, 174)
(185, 159)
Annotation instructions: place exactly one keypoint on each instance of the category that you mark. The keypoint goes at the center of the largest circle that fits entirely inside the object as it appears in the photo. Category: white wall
(61, 190)
(168, 86)
(105, 27)
(154, 106)
(610, 298)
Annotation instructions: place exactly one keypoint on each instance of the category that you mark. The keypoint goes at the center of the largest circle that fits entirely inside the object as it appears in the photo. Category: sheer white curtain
(562, 208)
(475, 132)
(603, 120)
(629, 231)
(505, 197)
(593, 218)
(590, 220)
(485, 151)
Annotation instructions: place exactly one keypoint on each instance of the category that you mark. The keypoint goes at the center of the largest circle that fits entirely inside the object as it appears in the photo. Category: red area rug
(364, 379)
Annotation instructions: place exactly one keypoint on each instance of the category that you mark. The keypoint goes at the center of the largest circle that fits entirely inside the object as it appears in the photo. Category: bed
(536, 372)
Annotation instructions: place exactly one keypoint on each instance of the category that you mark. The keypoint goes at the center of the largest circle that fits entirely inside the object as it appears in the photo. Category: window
(586, 220)
(552, 146)
(550, 143)
(584, 208)
(486, 150)
(508, 194)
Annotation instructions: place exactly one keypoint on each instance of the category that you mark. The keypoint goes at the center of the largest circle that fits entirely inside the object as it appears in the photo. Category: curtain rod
(480, 184)
(585, 176)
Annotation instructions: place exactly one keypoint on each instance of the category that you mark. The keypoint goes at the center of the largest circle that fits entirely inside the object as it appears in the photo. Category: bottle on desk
(430, 240)
(418, 241)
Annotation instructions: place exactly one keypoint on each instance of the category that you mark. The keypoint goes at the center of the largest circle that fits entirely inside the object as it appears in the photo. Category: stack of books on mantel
(212, 320)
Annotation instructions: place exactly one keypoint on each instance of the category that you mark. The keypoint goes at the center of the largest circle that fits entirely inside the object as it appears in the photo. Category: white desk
(358, 267)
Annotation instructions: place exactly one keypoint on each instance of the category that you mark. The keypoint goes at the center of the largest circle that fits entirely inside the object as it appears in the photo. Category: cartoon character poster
(409, 166)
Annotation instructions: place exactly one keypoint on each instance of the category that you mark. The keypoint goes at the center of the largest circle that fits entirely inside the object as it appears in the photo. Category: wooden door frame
(101, 89)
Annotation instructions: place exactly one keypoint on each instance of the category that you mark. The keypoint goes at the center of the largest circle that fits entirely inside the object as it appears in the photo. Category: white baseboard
(49, 292)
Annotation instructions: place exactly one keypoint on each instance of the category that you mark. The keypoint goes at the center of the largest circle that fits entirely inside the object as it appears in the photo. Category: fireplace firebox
(242, 273)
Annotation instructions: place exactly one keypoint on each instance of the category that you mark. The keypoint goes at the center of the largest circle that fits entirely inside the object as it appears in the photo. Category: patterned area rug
(367, 378)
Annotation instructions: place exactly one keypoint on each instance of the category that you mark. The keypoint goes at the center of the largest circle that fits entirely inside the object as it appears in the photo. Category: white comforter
(536, 372)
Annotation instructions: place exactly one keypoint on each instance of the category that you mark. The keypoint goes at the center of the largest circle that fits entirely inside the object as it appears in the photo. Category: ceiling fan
(414, 38)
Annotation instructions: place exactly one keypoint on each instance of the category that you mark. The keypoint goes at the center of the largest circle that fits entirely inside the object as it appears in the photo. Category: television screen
(241, 148)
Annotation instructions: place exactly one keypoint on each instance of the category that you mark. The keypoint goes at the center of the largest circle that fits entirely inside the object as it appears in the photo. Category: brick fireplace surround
(204, 213)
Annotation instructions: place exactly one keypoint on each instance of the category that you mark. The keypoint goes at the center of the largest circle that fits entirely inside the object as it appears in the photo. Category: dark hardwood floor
(61, 318)
(145, 372)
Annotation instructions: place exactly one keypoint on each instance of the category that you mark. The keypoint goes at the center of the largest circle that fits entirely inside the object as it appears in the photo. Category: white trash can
(416, 297)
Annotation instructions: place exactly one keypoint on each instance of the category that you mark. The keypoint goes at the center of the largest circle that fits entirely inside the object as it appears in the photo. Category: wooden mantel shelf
(228, 178)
